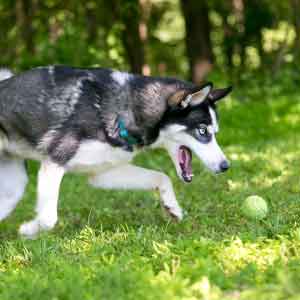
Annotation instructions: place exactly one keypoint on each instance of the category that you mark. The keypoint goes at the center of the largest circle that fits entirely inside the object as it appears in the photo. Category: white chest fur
(96, 156)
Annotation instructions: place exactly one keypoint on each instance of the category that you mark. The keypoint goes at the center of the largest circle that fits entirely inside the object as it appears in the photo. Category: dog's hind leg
(13, 180)
(49, 179)
(133, 177)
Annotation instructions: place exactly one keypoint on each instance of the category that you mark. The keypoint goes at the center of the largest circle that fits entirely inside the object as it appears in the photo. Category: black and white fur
(65, 118)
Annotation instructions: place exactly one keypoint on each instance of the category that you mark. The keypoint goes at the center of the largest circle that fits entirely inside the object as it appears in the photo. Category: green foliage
(93, 33)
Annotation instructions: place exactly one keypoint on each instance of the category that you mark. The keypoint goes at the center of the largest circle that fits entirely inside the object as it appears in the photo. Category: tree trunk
(296, 10)
(228, 43)
(91, 22)
(239, 12)
(24, 17)
(132, 42)
(145, 10)
(127, 12)
(197, 39)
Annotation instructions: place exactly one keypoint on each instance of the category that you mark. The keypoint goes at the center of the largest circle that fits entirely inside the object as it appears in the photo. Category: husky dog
(71, 120)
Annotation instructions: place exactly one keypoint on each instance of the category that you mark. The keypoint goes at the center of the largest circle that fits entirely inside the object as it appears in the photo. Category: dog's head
(190, 125)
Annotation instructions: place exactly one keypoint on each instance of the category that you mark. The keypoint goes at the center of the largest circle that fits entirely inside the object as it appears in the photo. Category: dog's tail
(5, 73)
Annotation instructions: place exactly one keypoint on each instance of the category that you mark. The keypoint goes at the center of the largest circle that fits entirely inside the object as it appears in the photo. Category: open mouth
(185, 163)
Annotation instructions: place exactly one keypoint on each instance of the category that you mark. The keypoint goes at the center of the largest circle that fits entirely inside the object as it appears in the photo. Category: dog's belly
(94, 156)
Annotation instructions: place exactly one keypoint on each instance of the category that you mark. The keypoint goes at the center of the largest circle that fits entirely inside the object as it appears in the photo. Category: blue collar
(123, 133)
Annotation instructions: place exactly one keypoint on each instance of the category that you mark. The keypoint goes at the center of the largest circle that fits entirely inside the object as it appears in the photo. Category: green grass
(117, 245)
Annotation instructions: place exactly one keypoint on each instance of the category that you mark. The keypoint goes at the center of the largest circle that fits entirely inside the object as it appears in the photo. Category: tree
(131, 16)
(24, 16)
(197, 40)
(296, 21)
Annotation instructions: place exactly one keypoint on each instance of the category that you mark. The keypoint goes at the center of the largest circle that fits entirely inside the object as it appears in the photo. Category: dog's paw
(174, 212)
(30, 229)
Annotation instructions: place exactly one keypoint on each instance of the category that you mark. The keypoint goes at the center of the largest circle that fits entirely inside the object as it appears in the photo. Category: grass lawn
(117, 244)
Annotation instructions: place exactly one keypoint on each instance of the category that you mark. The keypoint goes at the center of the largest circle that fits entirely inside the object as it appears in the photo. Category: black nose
(224, 165)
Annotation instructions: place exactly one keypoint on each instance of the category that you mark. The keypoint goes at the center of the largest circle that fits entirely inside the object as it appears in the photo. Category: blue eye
(202, 129)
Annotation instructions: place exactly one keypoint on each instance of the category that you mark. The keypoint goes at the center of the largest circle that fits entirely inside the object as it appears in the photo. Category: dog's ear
(217, 94)
(183, 98)
(198, 97)
(175, 99)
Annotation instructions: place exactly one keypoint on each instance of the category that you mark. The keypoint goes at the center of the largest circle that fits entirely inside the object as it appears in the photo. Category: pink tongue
(185, 160)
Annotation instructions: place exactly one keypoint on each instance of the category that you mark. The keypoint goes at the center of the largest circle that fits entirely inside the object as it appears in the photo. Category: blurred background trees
(183, 38)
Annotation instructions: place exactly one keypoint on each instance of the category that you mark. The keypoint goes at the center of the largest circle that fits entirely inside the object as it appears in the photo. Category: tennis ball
(255, 207)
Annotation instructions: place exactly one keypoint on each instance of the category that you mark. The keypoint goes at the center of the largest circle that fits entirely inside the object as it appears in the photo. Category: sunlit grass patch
(236, 254)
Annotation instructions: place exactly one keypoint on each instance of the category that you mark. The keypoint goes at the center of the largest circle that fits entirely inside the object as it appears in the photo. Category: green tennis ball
(255, 207)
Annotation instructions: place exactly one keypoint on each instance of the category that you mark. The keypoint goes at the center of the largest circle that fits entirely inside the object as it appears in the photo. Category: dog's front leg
(49, 179)
(133, 177)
